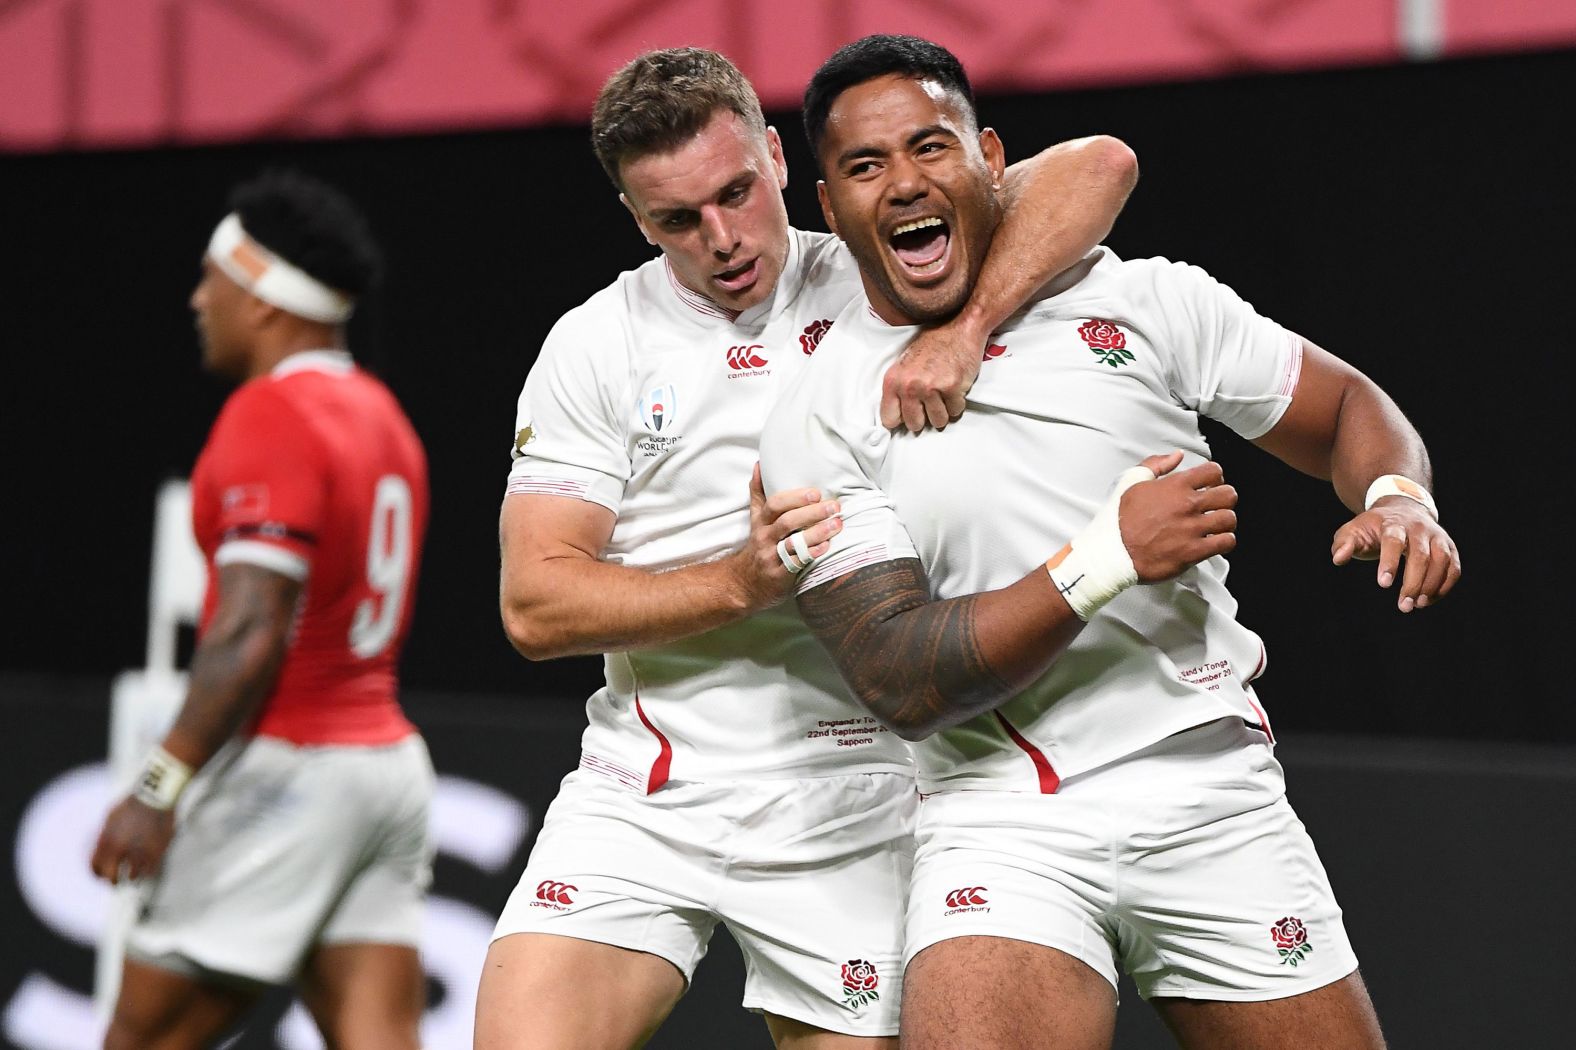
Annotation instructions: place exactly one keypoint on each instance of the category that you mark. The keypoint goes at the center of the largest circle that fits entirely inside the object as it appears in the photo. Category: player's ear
(774, 145)
(640, 223)
(995, 155)
(826, 207)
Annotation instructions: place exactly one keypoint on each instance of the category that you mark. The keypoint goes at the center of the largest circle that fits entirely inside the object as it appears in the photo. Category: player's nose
(721, 237)
(906, 181)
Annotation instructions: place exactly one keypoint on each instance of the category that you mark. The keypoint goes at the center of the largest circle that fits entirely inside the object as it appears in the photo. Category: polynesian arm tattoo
(921, 665)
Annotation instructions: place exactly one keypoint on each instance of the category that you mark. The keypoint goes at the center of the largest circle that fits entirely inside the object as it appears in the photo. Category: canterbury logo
(993, 351)
(556, 892)
(966, 896)
(741, 358)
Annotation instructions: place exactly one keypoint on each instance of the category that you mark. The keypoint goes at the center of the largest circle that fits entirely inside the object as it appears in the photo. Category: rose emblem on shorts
(1291, 940)
(1107, 341)
(811, 337)
(859, 983)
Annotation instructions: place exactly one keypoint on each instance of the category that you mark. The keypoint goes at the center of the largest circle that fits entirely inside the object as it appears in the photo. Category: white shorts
(809, 876)
(1183, 865)
(280, 848)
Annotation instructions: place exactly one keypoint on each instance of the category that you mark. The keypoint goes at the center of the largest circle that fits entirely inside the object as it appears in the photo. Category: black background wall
(1412, 219)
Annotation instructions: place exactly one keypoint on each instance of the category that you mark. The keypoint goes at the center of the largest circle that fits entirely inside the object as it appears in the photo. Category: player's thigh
(548, 992)
(815, 903)
(968, 993)
(790, 1034)
(1339, 1016)
(160, 1009)
(365, 996)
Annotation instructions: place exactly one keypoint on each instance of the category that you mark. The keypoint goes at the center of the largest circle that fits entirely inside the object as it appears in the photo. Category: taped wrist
(1399, 485)
(1095, 567)
(162, 780)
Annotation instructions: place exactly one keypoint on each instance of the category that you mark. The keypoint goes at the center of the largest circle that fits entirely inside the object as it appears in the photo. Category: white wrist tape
(1398, 485)
(162, 780)
(272, 279)
(1095, 567)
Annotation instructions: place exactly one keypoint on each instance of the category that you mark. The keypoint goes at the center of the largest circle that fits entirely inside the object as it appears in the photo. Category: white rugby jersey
(1115, 364)
(649, 399)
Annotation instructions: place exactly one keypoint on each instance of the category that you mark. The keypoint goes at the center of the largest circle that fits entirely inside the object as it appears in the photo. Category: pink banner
(96, 73)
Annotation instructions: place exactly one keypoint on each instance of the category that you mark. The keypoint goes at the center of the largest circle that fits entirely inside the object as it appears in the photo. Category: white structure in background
(143, 703)
(471, 822)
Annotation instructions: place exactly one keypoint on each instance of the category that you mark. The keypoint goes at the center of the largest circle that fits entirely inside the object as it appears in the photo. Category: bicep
(850, 613)
(254, 598)
(533, 529)
(1304, 435)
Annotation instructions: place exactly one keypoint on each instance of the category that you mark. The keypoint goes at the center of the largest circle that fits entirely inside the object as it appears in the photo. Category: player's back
(318, 461)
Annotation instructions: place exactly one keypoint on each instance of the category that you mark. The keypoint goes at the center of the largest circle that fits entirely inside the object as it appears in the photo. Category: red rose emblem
(1289, 934)
(1102, 335)
(811, 338)
(859, 976)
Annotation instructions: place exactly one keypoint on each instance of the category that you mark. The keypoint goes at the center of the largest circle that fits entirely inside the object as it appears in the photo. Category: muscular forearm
(576, 605)
(1060, 205)
(233, 671)
(921, 665)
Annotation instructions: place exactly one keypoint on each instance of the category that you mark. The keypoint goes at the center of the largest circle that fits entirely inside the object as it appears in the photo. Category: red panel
(134, 72)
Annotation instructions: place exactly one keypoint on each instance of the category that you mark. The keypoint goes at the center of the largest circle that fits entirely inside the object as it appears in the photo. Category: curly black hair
(311, 225)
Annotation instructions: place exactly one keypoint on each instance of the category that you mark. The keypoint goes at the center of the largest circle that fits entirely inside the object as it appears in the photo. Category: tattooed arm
(922, 665)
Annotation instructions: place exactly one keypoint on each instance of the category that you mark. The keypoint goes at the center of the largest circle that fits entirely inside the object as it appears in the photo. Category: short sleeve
(270, 473)
(835, 447)
(569, 435)
(1227, 361)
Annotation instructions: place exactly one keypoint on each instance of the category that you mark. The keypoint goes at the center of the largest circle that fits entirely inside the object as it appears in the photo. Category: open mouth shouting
(923, 249)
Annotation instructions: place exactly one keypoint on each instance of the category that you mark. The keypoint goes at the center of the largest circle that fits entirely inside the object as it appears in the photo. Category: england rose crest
(1108, 342)
(1291, 940)
(859, 983)
(810, 338)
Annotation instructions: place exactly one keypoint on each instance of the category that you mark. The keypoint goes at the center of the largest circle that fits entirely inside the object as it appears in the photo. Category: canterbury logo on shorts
(555, 895)
(969, 898)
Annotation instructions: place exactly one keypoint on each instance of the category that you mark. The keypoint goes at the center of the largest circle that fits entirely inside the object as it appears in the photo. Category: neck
(304, 335)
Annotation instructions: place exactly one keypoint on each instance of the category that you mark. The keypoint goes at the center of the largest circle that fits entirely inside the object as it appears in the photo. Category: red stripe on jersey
(1049, 781)
(1264, 723)
(659, 768)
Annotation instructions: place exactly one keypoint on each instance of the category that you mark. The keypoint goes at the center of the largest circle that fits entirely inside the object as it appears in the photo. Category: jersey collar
(788, 286)
(334, 362)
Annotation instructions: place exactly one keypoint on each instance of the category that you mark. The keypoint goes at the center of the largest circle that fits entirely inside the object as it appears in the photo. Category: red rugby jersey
(315, 472)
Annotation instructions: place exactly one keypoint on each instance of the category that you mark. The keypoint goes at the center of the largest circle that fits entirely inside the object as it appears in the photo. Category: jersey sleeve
(1227, 361)
(819, 437)
(569, 433)
(271, 475)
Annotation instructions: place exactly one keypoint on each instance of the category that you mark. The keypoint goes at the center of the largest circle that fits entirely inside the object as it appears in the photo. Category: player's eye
(861, 168)
(678, 220)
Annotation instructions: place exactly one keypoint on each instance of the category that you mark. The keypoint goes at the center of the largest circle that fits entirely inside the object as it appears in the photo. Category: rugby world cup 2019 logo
(659, 408)
(659, 414)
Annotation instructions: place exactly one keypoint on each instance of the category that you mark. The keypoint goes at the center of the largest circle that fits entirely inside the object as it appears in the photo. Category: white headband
(272, 279)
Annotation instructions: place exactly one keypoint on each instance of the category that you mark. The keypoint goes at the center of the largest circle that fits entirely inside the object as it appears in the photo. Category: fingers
(802, 518)
(891, 409)
(786, 501)
(1162, 464)
(916, 411)
(106, 860)
(757, 491)
(1392, 542)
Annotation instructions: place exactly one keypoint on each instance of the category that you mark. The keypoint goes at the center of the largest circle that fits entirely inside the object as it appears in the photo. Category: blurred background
(1390, 178)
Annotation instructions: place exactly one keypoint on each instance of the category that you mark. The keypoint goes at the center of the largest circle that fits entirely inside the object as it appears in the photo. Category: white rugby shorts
(280, 848)
(809, 876)
(1182, 865)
